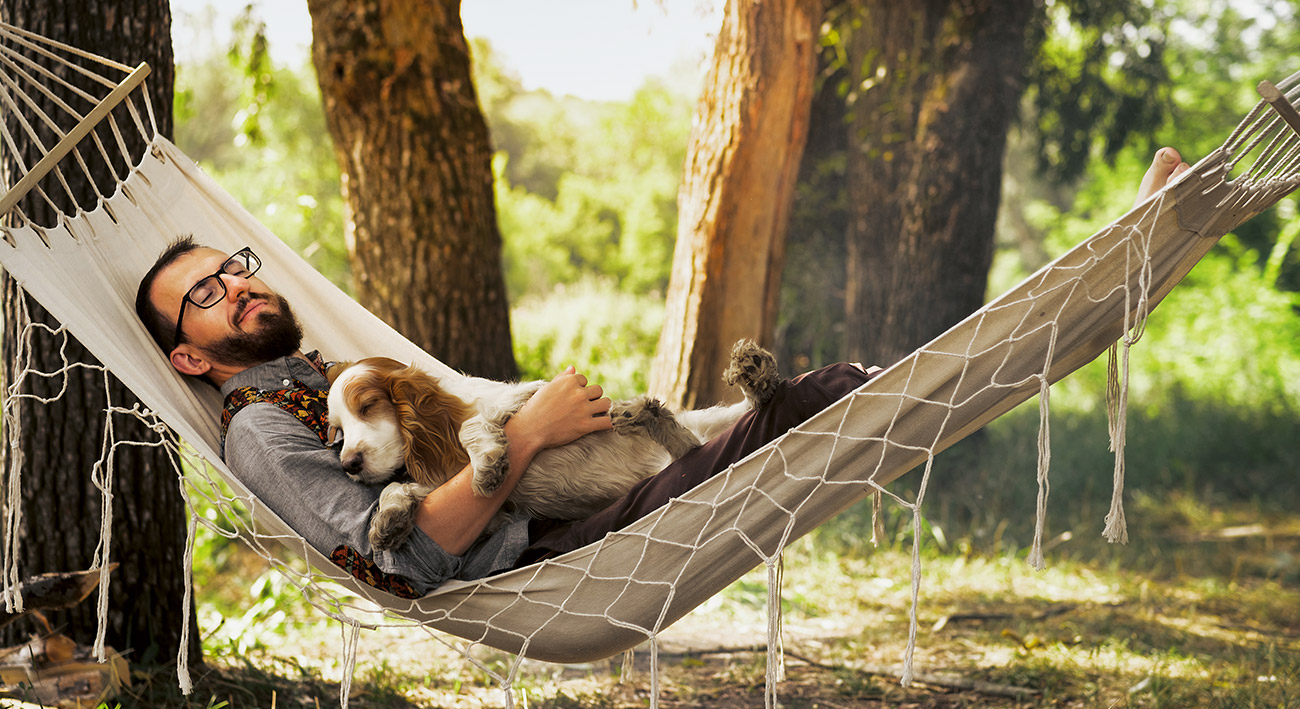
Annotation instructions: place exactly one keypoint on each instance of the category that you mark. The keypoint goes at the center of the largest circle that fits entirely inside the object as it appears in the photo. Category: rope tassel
(1044, 487)
(1116, 529)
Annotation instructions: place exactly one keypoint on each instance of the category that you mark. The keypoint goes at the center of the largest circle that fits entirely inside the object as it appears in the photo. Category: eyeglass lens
(207, 292)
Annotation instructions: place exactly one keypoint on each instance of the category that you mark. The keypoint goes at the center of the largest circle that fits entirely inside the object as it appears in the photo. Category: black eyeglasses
(211, 289)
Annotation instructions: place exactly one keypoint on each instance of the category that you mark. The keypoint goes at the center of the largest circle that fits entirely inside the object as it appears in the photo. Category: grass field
(1197, 611)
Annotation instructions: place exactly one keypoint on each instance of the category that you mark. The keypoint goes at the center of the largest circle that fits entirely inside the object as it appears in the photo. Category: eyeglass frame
(180, 317)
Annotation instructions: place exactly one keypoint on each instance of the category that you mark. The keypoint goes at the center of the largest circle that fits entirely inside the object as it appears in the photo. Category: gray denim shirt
(285, 465)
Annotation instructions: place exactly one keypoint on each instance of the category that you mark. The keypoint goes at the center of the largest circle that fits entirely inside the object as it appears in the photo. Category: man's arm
(567, 408)
(287, 469)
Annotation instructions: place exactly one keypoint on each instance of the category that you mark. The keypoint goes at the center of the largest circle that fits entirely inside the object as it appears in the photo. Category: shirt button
(285, 382)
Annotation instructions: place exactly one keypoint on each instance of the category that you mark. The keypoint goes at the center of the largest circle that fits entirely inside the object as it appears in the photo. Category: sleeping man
(217, 320)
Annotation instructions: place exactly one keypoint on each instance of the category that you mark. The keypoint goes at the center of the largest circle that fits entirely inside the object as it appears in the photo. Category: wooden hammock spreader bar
(1278, 101)
(74, 136)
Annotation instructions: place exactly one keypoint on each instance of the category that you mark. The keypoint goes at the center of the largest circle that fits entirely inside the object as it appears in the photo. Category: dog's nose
(353, 463)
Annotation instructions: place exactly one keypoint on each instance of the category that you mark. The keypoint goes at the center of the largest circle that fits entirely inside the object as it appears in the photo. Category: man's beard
(274, 335)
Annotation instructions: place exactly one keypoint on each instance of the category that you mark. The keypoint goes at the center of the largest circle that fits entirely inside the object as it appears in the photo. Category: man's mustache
(245, 301)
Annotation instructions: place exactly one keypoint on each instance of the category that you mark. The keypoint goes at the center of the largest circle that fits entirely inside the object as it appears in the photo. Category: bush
(607, 334)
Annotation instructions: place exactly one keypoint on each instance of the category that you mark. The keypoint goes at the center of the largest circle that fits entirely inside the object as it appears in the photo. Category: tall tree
(415, 158)
(937, 86)
(737, 187)
(62, 440)
(1094, 76)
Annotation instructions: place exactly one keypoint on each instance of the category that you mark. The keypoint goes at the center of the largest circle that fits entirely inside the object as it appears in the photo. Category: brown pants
(794, 402)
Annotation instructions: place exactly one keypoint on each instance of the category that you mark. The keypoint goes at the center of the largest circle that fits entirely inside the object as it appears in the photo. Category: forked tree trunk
(62, 440)
(737, 186)
(939, 86)
(415, 157)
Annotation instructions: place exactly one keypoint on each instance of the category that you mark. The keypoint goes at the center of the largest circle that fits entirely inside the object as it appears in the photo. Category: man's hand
(565, 409)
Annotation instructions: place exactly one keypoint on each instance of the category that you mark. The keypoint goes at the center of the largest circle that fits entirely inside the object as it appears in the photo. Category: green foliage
(250, 54)
(260, 133)
(607, 334)
(1100, 76)
(583, 188)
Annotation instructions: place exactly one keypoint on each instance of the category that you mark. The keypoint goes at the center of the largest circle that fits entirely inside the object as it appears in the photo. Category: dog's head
(393, 415)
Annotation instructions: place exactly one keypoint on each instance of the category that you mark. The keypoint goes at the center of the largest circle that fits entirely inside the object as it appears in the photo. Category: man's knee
(811, 392)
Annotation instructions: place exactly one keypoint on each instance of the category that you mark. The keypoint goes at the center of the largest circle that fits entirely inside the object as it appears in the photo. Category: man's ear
(188, 360)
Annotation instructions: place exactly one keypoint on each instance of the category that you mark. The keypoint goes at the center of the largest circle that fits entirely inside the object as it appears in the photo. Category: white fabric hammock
(616, 593)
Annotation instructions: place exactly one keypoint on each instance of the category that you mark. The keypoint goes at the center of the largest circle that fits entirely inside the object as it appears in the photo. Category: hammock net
(619, 592)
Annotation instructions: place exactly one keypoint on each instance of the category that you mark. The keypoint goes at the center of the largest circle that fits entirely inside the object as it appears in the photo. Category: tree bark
(62, 440)
(415, 157)
(737, 188)
(939, 86)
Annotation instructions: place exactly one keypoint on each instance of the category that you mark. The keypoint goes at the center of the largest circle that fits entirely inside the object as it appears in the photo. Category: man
(217, 320)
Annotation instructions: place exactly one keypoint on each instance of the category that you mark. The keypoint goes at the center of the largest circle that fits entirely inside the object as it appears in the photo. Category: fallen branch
(1241, 531)
(945, 680)
(958, 617)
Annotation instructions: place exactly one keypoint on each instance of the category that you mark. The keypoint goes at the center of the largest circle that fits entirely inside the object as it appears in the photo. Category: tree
(928, 91)
(62, 440)
(938, 85)
(737, 186)
(415, 158)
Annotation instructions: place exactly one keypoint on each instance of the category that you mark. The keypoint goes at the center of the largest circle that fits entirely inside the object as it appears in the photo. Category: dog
(392, 416)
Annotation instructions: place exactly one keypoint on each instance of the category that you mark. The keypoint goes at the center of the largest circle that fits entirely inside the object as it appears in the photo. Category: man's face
(250, 325)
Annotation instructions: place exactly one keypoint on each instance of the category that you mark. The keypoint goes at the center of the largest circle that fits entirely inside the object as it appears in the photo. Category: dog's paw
(648, 416)
(633, 414)
(486, 444)
(395, 517)
(753, 369)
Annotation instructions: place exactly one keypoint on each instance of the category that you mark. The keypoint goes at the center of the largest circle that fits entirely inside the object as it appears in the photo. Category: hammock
(614, 594)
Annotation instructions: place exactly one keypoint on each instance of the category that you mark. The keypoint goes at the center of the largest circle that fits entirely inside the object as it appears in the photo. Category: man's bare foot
(1165, 168)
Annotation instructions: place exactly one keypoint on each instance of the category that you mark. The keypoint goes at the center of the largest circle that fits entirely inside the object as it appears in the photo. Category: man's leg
(794, 402)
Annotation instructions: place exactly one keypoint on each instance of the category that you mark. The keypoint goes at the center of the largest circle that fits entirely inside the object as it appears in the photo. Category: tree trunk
(61, 441)
(737, 187)
(810, 326)
(417, 180)
(939, 86)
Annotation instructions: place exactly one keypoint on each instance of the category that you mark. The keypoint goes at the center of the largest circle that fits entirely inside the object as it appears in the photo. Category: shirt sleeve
(285, 465)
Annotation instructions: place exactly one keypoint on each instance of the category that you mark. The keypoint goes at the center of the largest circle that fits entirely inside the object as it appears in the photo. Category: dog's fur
(393, 415)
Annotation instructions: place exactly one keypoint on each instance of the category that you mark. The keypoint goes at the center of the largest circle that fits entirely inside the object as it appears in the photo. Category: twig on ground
(946, 681)
(1041, 615)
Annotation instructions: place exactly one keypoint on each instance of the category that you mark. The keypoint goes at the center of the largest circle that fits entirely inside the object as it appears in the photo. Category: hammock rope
(622, 591)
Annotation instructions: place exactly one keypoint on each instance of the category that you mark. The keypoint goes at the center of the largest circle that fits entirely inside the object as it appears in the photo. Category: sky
(592, 49)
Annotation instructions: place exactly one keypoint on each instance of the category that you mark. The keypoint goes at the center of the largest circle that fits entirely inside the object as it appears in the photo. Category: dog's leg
(484, 439)
(395, 517)
(650, 416)
(485, 442)
(753, 369)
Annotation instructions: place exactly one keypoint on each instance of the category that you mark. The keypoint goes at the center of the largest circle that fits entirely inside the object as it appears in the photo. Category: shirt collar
(278, 374)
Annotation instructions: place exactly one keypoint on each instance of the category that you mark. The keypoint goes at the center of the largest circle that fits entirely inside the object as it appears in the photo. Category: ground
(1176, 619)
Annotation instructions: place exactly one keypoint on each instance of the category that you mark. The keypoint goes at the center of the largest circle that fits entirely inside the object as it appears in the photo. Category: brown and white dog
(393, 416)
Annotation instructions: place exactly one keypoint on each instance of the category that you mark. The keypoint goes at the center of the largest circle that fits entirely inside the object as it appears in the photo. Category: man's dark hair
(162, 329)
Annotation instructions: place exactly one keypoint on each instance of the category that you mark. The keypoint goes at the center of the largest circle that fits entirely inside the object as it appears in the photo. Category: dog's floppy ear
(335, 370)
(429, 419)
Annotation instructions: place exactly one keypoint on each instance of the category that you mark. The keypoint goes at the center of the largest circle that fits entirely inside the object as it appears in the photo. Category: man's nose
(236, 286)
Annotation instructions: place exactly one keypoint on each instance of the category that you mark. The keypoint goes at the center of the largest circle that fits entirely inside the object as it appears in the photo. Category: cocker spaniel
(393, 417)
